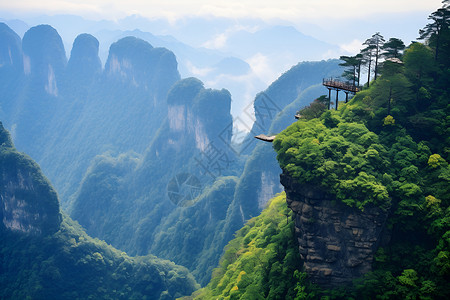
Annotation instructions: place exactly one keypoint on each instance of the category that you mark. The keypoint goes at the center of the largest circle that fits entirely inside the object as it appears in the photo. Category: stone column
(336, 242)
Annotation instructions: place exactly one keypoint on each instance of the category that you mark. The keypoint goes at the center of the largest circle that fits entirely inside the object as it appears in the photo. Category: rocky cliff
(336, 242)
(10, 50)
(28, 203)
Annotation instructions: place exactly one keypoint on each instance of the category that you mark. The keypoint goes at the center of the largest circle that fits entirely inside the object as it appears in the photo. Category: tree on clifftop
(393, 48)
(374, 44)
(354, 67)
(438, 30)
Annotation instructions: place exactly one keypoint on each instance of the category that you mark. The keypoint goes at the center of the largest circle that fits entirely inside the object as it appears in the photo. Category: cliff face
(10, 50)
(27, 201)
(134, 61)
(336, 242)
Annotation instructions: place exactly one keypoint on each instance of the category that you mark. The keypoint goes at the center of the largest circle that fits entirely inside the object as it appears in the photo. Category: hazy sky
(314, 11)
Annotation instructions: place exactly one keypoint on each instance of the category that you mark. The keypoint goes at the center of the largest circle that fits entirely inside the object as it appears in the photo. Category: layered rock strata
(336, 242)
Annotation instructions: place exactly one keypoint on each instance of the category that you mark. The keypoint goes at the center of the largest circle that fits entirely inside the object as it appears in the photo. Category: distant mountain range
(207, 49)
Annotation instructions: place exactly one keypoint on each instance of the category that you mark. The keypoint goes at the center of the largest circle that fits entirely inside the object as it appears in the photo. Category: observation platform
(340, 85)
(337, 85)
(265, 138)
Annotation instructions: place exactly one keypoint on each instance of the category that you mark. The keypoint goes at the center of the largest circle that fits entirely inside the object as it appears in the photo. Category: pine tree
(354, 70)
(393, 48)
(373, 51)
(367, 54)
(435, 30)
(349, 73)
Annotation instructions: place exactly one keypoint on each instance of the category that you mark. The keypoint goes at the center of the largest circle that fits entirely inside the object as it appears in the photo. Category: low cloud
(352, 48)
(218, 42)
(196, 71)
(261, 66)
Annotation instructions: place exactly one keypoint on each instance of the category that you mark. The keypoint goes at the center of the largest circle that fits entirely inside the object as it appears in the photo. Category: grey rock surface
(336, 242)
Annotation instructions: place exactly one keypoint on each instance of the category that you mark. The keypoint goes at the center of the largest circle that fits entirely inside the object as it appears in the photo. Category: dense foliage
(71, 265)
(261, 262)
(347, 159)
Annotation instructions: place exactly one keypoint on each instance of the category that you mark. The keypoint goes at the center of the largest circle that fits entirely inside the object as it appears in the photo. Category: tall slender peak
(10, 49)
(135, 61)
(204, 112)
(84, 62)
(44, 56)
(336, 242)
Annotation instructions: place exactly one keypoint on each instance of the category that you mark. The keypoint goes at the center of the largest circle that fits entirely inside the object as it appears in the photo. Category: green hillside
(71, 265)
(261, 262)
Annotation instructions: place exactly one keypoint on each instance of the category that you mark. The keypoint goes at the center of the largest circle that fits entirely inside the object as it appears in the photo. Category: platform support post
(329, 98)
(337, 98)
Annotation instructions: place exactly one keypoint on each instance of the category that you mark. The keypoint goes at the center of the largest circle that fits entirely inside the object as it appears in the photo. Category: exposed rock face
(136, 62)
(198, 114)
(11, 68)
(10, 49)
(44, 57)
(336, 242)
(28, 203)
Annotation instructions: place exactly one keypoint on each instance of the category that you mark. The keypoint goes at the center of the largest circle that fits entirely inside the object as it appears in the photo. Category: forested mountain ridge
(274, 109)
(48, 256)
(364, 157)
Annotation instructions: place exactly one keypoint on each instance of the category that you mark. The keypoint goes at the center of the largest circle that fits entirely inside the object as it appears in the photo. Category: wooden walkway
(330, 84)
(340, 85)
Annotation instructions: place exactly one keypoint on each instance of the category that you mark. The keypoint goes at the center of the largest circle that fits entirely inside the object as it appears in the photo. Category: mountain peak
(135, 60)
(44, 56)
(10, 48)
(84, 61)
